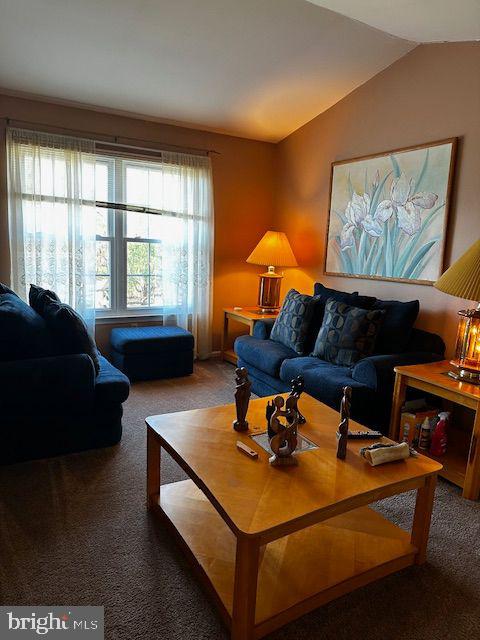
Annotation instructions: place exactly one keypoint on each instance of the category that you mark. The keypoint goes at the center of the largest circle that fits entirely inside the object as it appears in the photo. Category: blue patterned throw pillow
(291, 326)
(347, 334)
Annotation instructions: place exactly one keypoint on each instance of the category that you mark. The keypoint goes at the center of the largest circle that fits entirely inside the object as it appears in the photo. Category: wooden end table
(271, 544)
(461, 463)
(245, 315)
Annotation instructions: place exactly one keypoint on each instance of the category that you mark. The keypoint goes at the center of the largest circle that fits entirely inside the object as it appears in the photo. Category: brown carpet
(74, 530)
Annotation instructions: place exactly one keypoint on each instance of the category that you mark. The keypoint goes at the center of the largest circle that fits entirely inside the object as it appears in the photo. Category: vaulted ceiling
(255, 68)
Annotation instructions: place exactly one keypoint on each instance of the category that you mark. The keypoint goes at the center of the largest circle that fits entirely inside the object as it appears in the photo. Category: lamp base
(269, 291)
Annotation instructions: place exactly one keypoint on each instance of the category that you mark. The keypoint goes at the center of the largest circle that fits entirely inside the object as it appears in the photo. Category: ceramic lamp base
(269, 292)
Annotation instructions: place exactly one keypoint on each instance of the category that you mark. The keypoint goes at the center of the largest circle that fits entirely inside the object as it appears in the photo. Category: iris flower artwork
(388, 214)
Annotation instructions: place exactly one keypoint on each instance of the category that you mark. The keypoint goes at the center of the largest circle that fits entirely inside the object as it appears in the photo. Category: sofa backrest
(398, 334)
(421, 340)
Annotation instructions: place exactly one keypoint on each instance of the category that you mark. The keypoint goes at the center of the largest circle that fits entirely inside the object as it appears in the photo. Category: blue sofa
(52, 404)
(272, 365)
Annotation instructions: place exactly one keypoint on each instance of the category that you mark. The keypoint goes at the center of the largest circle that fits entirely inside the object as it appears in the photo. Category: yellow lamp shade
(273, 250)
(462, 279)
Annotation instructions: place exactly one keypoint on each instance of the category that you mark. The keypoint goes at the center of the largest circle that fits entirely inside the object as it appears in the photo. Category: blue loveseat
(272, 365)
(52, 403)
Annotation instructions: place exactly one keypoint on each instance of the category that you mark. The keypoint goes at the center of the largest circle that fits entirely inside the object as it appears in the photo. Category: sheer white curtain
(179, 187)
(52, 216)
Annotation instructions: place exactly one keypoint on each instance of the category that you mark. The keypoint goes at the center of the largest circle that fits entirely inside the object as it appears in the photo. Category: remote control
(364, 435)
(246, 450)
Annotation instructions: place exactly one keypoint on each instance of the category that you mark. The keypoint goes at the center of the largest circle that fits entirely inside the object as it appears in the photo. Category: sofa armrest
(377, 372)
(47, 385)
(263, 328)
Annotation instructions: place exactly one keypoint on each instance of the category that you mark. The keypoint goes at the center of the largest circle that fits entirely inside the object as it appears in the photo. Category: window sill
(128, 319)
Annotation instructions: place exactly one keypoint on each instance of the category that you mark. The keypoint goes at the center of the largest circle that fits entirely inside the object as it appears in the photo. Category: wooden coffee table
(271, 544)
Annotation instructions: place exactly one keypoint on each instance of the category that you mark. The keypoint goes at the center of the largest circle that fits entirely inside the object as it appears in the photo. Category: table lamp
(273, 250)
(462, 279)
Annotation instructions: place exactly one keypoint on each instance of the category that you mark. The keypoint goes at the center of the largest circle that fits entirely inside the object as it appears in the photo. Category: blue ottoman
(147, 353)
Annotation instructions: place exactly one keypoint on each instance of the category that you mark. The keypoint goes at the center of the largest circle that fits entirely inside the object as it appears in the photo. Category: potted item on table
(425, 435)
(438, 446)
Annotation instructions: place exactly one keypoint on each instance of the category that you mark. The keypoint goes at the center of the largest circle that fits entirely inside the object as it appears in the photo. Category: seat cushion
(347, 333)
(157, 339)
(23, 333)
(396, 330)
(325, 381)
(111, 385)
(292, 324)
(290, 369)
(265, 355)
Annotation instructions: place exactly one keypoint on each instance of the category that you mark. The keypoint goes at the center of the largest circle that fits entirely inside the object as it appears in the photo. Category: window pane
(101, 181)
(137, 225)
(103, 296)
(103, 257)
(137, 291)
(155, 259)
(102, 222)
(137, 185)
(137, 258)
(156, 292)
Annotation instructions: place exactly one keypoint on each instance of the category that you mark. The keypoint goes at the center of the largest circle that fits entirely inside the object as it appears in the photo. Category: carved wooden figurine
(269, 411)
(242, 398)
(298, 387)
(343, 426)
(284, 441)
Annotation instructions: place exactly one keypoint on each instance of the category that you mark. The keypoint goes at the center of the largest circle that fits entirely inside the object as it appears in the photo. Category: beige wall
(243, 174)
(430, 94)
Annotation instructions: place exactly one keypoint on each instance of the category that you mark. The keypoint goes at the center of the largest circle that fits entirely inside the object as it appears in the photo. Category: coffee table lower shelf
(297, 573)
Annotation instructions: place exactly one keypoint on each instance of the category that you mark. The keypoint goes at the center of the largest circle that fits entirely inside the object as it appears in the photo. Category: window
(144, 238)
(115, 234)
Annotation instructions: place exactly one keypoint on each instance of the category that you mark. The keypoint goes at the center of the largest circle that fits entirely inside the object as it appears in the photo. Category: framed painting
(388, 214)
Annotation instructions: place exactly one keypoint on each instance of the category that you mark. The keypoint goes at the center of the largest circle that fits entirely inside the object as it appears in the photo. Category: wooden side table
(245, 315)
(461, 463)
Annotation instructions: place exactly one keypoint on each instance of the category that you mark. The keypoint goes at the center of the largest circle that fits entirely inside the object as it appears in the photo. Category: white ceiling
(417, 20)
(255, 68)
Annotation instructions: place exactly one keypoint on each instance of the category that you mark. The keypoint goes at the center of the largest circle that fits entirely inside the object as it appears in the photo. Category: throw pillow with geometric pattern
(347, 334)
(291, 326)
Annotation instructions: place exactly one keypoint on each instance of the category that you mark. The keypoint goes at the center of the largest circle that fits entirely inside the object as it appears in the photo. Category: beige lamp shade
(462, 279)
(273, 250)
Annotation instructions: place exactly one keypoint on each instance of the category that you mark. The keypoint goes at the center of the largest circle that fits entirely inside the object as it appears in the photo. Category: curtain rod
(113, 140)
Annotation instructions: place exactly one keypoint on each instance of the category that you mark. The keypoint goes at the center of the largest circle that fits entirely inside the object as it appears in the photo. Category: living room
(229, 230)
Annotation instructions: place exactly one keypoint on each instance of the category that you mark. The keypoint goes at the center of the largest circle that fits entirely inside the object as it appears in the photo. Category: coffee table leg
(245, 589)
(153, 468)
(399, 393)
(422, 517)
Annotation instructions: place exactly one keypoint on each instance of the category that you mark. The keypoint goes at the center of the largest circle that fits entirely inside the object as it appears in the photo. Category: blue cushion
(396, 329)
(157, 339)
(323, 294)
(292, 324)
(69, 329)
(23, 333)
(5, 289)
(111, 385)
(261, 380)
(266, 355)
(39, 297)
(347, 333)
(325, 382)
